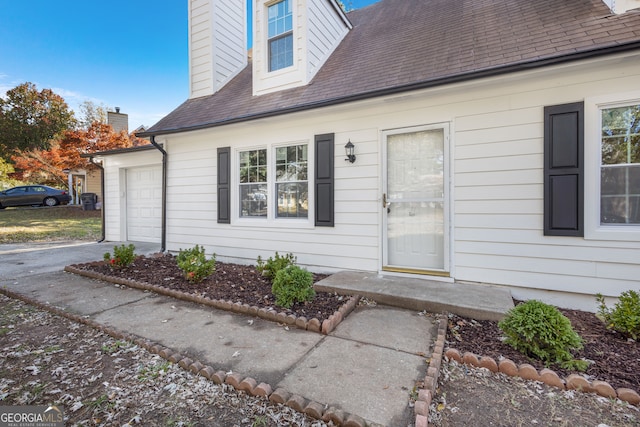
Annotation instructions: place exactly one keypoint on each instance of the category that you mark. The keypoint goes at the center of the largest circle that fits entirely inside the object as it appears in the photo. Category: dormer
(622, 6)
(292, 39)
(217, 44)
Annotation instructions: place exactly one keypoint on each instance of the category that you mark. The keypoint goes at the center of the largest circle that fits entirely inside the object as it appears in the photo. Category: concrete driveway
(25, 259)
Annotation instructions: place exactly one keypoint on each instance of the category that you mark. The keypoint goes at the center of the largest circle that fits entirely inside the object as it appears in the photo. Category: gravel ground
(100, 381)
(470, 396)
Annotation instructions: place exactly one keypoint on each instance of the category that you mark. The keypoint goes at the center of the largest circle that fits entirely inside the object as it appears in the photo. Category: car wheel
(1, 207)
(50, 201)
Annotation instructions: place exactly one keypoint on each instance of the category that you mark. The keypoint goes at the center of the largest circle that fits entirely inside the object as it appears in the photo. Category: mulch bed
(615, 359)
(230, 282)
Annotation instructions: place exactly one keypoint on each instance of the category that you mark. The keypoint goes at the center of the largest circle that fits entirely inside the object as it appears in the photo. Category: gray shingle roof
(398, 45)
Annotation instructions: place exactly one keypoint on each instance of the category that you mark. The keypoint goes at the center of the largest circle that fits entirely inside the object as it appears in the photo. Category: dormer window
(280, 35)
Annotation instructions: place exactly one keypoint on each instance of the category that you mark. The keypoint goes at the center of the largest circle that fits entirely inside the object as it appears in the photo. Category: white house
(494, 143)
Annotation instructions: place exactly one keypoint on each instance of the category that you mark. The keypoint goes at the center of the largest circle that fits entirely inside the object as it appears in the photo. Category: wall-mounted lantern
(349, 149)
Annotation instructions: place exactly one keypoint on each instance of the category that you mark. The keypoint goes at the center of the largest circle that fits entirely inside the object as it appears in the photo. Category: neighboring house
(82, 181)
(89, 180)
(495, 142)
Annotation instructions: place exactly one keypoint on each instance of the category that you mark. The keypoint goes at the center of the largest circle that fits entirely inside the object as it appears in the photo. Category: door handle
(386, 204)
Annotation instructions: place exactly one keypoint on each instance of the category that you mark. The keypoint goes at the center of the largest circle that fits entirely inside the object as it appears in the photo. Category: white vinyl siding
(496, 183)
(218, 44)
(326, 31)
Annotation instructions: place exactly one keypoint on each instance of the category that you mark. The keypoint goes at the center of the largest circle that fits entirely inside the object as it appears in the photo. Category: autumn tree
(31, 119)
(46, 166)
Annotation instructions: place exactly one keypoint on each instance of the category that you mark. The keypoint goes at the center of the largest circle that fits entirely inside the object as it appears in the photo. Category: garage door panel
(144, 204)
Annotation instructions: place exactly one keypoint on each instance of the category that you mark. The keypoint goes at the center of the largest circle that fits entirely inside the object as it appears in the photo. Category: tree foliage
(91, 113)
(31, 119)
(46, 166)
(6, 169)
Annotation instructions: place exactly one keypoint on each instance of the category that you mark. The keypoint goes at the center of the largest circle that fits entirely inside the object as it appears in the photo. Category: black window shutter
(324, 180)
(564, 170)
(224, 185)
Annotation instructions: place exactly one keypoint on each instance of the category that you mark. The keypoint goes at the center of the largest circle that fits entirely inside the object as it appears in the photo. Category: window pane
(244, 174)
(253, 183)
(614, 150)
(244, 158)
(281, 53)
(293, 200)
(620, 135)
(280, 18)
(253, 200)
(620, 195)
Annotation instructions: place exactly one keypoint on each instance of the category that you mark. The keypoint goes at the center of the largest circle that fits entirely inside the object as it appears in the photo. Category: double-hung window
(620, 165)
(280, 34)
(280, 181)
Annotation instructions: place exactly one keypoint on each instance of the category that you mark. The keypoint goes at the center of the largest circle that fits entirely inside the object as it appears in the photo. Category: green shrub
(625, 315)
(292, 284)
(540, 331)
(195, 265)
(123, 256)
(270, 268)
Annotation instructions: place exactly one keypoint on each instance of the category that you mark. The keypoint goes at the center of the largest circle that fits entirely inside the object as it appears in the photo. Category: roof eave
(118, 151)
(424, 84)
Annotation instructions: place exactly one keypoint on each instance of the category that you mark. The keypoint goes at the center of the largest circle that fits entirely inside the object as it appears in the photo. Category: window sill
(279, 223)
(627, 233)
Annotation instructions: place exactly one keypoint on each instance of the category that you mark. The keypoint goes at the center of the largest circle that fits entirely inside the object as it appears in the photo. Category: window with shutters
(270, 185)
(273, 182)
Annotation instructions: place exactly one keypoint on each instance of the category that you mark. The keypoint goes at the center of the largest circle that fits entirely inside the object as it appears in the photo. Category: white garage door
(144, 204)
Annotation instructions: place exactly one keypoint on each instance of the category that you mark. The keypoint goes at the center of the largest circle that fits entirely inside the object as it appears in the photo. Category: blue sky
(130, 54)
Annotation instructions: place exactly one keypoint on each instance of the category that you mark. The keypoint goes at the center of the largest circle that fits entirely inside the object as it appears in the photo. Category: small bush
(123, 256)
(625, 315)
(195, 265)
(270, 268)
(540, 331)
(292, 284)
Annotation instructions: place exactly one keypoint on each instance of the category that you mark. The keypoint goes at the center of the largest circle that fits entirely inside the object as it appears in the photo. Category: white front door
(415, 202)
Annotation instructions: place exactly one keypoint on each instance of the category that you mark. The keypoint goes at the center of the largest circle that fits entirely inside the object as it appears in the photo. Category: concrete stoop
(481, 302)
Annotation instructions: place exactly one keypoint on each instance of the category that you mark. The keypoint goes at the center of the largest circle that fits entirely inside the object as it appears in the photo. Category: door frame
(446, 272)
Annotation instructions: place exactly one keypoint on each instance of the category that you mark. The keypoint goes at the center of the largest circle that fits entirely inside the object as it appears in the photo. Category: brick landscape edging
(248, 385)
(547, 376)
(302, 322)
(425, 394)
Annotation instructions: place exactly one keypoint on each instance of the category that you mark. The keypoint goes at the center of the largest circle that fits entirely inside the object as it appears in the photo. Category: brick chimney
(118, 121)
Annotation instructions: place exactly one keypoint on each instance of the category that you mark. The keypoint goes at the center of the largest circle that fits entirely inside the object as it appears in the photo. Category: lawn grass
(45, 224)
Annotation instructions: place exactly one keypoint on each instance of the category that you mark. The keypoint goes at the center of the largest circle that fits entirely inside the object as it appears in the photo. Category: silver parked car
(33, 195)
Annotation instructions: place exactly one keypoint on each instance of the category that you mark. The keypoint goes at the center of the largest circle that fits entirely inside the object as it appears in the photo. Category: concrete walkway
(368, 366)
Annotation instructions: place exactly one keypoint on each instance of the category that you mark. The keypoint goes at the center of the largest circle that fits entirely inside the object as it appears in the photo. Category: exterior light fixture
(349, 149)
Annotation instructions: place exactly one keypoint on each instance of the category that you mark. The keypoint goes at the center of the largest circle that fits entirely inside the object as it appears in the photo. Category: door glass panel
(415, 192)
